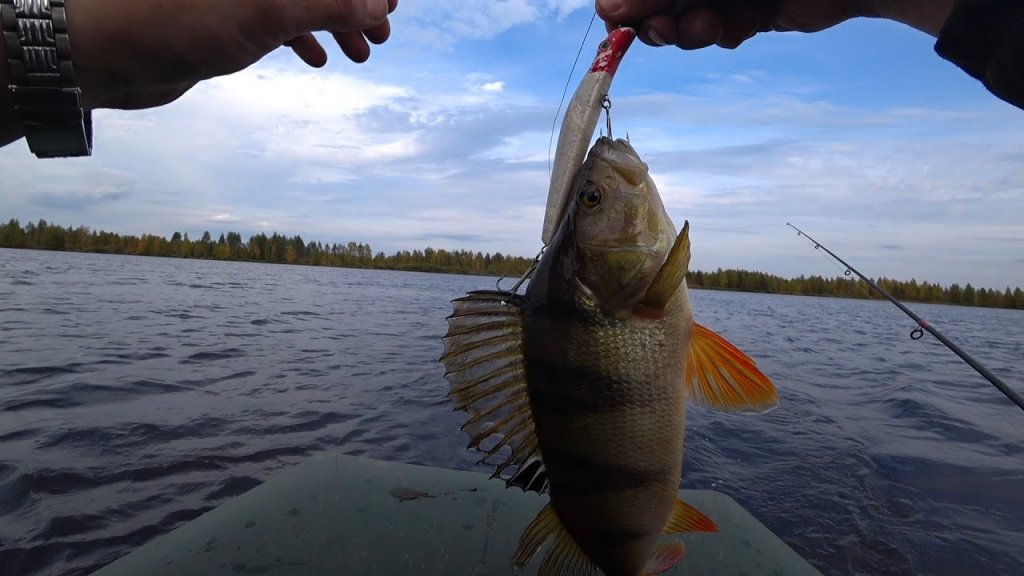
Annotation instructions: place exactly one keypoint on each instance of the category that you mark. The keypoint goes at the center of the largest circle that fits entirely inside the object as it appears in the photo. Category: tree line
(851, 287)
(275, 248)
(278, 248)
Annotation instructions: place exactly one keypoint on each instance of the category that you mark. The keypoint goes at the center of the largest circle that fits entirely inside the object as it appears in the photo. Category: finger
(378, 34)
(739, 24)
(657, 31)
(309, 49)
(338, 14)
(354, 45)
(631, 12)
(392, 4)
(698, 29)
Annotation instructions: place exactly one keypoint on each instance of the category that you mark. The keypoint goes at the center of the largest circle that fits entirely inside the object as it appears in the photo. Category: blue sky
(860, 135)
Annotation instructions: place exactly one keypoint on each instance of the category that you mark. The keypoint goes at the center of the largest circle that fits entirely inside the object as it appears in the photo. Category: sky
(860, 135)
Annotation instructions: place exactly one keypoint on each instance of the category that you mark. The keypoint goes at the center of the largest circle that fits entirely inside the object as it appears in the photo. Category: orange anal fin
(562, 557)
(686, 518)
(665, 557)
(720, 376)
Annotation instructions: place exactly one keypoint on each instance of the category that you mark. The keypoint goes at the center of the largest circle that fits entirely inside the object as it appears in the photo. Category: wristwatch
(46, 97)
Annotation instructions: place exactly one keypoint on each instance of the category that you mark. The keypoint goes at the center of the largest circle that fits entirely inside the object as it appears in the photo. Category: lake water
(137, 393)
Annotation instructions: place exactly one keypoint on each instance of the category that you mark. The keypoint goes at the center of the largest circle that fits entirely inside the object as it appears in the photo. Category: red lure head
(612, 49)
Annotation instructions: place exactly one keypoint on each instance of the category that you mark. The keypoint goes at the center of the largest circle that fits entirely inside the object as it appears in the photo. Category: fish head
(620, 229)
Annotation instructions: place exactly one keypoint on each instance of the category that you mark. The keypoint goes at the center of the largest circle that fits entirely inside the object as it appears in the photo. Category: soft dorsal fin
(672, 272)
(483, 359)
(564, 556)
(719, 376)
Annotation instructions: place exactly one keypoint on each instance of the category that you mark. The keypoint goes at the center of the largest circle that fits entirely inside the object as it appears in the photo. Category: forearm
(926, 15)
(142, 53)
(983, 38)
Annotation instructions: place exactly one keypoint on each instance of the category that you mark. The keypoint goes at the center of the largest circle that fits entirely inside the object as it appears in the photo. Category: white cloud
(272, 92)
(312, 174)
(565, 7)
(445, 23)
(331, 125)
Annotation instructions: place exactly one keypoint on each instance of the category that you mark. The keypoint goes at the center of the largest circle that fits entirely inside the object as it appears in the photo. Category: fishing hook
(529, 272)
(606, 103)
(922, 325)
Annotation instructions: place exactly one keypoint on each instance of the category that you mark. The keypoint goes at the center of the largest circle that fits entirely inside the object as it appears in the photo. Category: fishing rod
(918, 333)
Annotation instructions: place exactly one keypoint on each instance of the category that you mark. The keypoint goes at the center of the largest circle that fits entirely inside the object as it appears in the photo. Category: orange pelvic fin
(686, 518)
(665, 557)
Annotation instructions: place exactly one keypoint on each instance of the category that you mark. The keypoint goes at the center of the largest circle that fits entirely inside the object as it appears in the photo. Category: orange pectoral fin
(671, 274)
(719, 376)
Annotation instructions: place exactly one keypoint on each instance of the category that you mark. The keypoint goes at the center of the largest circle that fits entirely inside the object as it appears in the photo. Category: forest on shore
(278, 248)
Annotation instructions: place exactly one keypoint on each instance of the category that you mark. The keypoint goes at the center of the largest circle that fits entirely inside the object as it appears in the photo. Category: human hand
(691, 24)
(143, 53)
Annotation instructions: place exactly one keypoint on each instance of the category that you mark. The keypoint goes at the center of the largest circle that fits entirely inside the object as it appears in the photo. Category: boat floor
(341, 515)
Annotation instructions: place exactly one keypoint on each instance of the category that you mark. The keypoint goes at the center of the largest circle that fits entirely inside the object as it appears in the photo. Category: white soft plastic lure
(578, 125)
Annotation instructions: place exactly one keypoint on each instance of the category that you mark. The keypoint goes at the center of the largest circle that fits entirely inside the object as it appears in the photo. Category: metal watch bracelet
(42, 83)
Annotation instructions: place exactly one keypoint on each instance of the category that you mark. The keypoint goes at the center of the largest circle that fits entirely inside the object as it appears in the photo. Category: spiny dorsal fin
(563, 557)
(686, 518)
(720, 376)
(483, 359)
(671, 274)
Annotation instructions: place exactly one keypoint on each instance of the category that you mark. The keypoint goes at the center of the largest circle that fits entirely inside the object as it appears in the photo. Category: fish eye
(604, 46)
(590, 197)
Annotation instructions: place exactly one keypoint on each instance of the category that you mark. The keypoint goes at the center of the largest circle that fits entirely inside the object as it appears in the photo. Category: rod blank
(995, 380)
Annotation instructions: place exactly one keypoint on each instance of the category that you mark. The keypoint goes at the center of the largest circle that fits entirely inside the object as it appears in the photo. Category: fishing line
(554, 121)
(918, 332)
(523, 278)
